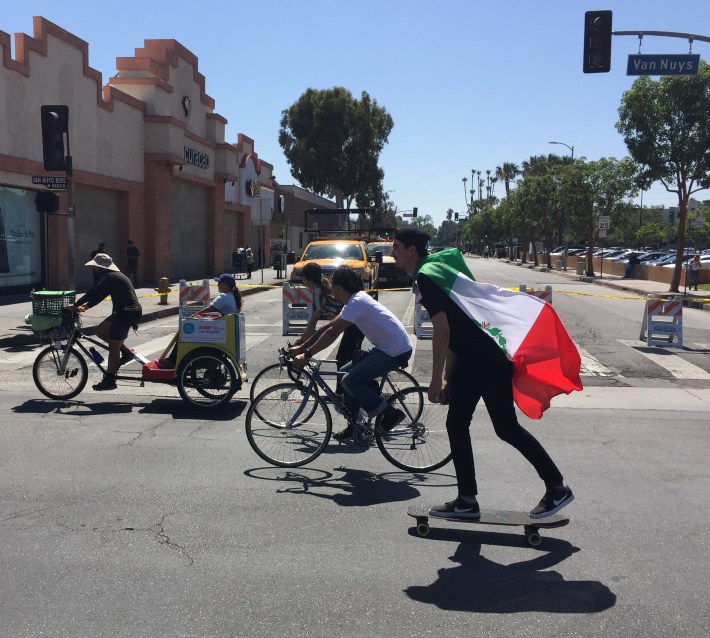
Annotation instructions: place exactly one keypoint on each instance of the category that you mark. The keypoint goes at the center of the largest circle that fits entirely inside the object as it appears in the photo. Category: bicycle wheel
(276, 373)
(56, 385)
(287, 425)
(419, 443)
(401, 380)
(206, 380)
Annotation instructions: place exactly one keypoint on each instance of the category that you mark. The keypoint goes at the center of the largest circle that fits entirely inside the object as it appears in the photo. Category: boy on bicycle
(392, 348)
(126, 313)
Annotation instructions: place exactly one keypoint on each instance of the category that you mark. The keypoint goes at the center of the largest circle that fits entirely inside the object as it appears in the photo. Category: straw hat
(102, 260)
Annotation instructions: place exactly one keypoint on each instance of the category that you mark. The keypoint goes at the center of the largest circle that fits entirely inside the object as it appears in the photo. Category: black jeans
(493, 383)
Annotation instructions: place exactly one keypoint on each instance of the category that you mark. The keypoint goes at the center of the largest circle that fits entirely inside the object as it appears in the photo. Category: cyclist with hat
(126, 313)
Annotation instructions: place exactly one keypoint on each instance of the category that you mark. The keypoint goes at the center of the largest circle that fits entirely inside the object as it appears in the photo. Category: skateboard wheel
(534, 539)
(423, 529)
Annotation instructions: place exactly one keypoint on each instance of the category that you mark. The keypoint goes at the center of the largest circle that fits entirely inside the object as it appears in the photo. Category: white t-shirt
(225, 303)
(382, 329)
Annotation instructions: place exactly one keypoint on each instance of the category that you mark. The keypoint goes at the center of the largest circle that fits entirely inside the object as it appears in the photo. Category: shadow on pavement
(480, 585)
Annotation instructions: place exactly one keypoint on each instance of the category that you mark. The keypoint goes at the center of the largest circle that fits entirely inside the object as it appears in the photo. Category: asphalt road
(126, 514)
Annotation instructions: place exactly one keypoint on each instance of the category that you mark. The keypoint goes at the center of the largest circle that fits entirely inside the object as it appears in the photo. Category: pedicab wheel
(207, 379)
(55, 384)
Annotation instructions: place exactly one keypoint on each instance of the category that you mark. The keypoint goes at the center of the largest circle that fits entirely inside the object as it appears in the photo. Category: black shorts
(122, 322)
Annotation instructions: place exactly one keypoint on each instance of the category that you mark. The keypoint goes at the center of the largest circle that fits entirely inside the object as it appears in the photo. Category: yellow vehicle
(389, 276)
(331, 253)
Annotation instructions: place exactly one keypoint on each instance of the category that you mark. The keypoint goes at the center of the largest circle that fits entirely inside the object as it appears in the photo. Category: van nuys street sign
(666, 64)
(51, 182)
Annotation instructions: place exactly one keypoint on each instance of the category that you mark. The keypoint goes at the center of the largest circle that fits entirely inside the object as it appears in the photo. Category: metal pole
(564, 262)
(71, 252)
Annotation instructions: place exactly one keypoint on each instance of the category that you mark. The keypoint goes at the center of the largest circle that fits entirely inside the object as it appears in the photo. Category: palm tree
(507, 173)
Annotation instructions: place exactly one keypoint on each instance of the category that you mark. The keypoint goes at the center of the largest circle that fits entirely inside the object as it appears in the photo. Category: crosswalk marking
(592, 367)
(677, 366)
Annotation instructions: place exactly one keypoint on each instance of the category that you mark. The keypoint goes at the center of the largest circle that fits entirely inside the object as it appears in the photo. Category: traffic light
(414, 211)
(55, 123)
(597, 42)
(456, 217)
(46, 202)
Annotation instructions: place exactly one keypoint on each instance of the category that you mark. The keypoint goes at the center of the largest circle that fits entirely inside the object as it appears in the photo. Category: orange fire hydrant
(163, 288)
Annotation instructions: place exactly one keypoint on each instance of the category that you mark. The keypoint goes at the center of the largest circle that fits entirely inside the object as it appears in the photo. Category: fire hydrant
(163, 288)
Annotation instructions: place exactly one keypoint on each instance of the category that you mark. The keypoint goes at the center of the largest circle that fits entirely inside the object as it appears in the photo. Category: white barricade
(193, 297)
(545, 295)
(297, 308)
(663, 319)
(423, 327)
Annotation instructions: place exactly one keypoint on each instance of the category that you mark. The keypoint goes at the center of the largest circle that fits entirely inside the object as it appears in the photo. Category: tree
(507, 172)
(666, 127)
(333, 142)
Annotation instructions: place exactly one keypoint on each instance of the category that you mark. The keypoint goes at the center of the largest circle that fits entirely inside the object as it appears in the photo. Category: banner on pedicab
(203, 331)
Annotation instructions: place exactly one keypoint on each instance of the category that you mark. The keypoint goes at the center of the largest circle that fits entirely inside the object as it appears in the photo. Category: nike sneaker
(457, 509)
(553, 501)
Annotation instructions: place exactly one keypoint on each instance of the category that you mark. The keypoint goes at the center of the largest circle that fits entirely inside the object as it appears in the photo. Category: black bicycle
(290, 424)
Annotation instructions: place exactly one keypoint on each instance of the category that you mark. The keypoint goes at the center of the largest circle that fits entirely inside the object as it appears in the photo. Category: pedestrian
(97, 274)
(391, 349)
(470, 363)
(132, 253)
(630, 265)
(249, 257)
(694, 272)
(126, 313)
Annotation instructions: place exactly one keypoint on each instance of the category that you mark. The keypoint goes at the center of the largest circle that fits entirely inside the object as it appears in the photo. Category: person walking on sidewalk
(249, 258)
(132, 255)
(469, 365)
(126, 314)
(694, 272)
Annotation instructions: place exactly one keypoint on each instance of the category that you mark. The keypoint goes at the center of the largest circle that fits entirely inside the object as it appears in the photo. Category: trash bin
(279, 264)
(580, 267)
(558, 264)
(291, 258)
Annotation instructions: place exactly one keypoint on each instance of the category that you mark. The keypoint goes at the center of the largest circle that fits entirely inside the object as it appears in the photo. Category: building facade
(150, 164)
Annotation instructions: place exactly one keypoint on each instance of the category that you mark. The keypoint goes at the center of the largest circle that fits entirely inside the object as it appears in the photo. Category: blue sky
(469, 84)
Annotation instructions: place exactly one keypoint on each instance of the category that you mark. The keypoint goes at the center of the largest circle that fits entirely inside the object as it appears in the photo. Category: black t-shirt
(466, 338)
(119, 287)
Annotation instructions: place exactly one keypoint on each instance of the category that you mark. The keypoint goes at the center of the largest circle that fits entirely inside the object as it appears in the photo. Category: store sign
(196, 158)
(254, 188)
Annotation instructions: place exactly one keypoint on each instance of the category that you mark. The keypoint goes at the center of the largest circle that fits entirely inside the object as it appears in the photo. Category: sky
(469, 84)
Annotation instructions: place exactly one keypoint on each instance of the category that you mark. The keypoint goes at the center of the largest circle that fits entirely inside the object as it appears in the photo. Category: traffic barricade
(297, 308)
(663, 322)
(193, 298)
(423, 328)
(545, 295)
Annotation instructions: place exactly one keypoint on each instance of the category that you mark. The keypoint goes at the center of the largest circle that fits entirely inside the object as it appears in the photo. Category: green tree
(507, 172)
(666, 127)
(333, 142)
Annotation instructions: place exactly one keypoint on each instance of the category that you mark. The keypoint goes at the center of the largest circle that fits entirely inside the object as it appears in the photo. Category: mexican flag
(545, 360)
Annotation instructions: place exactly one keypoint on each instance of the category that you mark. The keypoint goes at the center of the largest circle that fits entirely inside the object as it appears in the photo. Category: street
(127, 514)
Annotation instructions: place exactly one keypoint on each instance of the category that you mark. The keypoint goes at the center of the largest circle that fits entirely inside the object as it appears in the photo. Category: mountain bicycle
(290, 424)
(284, 372)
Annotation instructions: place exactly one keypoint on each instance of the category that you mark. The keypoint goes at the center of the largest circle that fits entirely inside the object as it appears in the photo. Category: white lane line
(677, 366)
(592, 367)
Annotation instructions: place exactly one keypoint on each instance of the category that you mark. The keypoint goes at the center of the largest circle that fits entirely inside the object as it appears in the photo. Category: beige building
(150, 164)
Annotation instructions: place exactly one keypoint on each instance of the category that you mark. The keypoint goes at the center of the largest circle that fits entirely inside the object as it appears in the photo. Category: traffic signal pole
(71, 252)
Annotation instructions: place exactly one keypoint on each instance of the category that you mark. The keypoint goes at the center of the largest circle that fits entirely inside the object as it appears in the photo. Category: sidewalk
(13, 308)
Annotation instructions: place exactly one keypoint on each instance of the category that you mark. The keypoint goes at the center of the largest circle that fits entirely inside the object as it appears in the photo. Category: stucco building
(150, 164)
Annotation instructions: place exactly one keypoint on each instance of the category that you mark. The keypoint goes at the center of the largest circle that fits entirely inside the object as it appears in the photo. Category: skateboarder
(469, 365)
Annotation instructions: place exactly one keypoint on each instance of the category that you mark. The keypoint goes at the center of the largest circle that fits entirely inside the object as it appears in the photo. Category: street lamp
(564, 264)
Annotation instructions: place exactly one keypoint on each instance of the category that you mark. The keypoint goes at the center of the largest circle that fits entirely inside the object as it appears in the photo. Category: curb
(28, 338)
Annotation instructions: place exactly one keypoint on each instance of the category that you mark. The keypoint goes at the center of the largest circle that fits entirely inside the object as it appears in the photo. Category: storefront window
(20, 238)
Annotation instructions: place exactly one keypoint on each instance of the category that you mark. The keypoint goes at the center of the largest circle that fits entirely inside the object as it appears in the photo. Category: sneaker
(107, 383)
(553, 501)
(457, 509)
(391, 417)
(347, 433)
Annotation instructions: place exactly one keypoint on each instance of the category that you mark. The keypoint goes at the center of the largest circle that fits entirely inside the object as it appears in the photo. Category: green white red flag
(545, 360)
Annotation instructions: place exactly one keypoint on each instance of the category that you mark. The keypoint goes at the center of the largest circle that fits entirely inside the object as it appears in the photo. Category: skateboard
(531, 526)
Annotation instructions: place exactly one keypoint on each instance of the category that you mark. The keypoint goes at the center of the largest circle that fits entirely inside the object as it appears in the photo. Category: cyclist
(325, 306)
(126, 314)
(391, 348)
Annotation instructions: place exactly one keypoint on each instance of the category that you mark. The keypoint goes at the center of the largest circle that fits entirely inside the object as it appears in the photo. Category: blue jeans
(358, 383)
